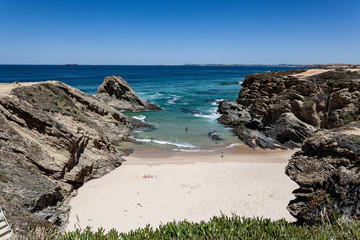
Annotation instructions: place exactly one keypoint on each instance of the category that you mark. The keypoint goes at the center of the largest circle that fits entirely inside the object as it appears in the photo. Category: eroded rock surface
(53, 138)
(281, 109)
(327, 170)
(117, 93)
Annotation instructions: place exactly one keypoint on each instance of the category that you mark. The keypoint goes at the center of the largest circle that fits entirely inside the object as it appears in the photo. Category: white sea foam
(233, 145)
(213, 115)
(147, 140)
(193, 150)
(173, 99)
(140, 117)
(143, 140)
(157, 95)
(216, 102)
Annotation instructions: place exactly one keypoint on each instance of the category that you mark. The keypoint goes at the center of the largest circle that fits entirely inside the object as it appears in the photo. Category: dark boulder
(117, 93)
(214, 136)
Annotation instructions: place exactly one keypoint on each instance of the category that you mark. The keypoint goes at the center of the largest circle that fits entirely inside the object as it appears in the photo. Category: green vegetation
(3, 178)
(48, 97)
(277, 74)
(35, 148)
(348, 118)
(220, 228)
(318, 199)
(334, 79)
(336, 76)
(354, 139)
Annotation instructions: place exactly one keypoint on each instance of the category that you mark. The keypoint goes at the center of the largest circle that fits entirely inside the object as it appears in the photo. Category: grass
(222, 227)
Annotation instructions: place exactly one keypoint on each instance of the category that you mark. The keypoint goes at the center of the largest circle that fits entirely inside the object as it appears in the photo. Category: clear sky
(179, 32)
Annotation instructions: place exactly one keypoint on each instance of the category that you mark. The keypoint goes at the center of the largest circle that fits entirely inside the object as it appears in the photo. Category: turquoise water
(187, 94)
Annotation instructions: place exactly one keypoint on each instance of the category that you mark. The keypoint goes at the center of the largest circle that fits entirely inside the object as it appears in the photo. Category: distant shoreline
(326, 65)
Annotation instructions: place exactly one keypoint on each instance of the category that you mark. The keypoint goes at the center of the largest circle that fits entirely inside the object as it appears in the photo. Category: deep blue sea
(187, 94)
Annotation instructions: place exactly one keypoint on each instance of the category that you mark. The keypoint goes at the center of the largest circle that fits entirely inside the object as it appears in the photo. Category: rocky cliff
(281, 109)
(117, 93)
(53, 138)
(327, 170)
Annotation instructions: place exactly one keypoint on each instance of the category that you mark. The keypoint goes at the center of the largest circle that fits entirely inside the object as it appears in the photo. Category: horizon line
(186, 64)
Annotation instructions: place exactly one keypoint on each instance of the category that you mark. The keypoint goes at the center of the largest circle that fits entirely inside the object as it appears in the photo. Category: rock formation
(117, 93)
(214, 136)
(281, 109)
(53, 138)
(327, 170)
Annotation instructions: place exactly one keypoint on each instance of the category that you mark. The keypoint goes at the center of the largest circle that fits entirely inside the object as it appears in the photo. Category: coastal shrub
(348, 118)
(334, 79)
(225, 227)
(276, 74)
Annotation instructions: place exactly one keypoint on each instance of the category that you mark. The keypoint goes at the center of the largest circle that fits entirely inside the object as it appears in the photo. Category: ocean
(189, 96)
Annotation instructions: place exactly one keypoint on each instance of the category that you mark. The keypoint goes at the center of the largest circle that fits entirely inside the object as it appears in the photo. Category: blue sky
(179, 32)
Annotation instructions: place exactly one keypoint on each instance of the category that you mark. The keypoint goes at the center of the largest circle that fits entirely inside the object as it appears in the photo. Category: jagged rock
(53, 138)
(214, 136)
(281, 109)
(327, 170)
(117, 93)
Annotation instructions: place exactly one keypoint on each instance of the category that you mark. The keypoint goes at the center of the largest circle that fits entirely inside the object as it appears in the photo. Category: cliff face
(281, 109)
(117, 93)
(327, 170)
(53, 138)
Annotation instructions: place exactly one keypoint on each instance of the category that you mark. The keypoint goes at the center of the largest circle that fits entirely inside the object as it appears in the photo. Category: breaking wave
(173, 99)
(140, 117)
(234, 145)
(213, 115)
(148, 140)
(216, 102)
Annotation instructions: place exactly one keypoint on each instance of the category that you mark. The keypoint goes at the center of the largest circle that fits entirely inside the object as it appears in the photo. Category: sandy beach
(155, 187)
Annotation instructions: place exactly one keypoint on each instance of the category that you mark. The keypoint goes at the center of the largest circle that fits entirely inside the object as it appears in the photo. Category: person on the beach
(186, 129)
(222, 154)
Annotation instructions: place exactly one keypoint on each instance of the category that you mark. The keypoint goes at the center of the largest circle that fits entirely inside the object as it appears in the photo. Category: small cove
(189, 96)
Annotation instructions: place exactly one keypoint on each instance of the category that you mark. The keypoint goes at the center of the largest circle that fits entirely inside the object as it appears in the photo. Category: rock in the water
(327, 170)
(117, 93)
(281, 109)
(214, 136)
(53, 138)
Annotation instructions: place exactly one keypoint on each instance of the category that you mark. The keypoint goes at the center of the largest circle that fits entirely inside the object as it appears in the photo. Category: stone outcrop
(327, 170)
(214, 136)
(281, 109)
(53, 138)
(117, 93)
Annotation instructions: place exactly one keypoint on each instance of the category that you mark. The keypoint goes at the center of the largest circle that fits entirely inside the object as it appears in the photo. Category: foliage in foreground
(221, 228)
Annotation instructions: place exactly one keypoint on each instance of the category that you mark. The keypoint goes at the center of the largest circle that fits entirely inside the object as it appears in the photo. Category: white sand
(311, 72)
(5, 88)
(185, 186)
